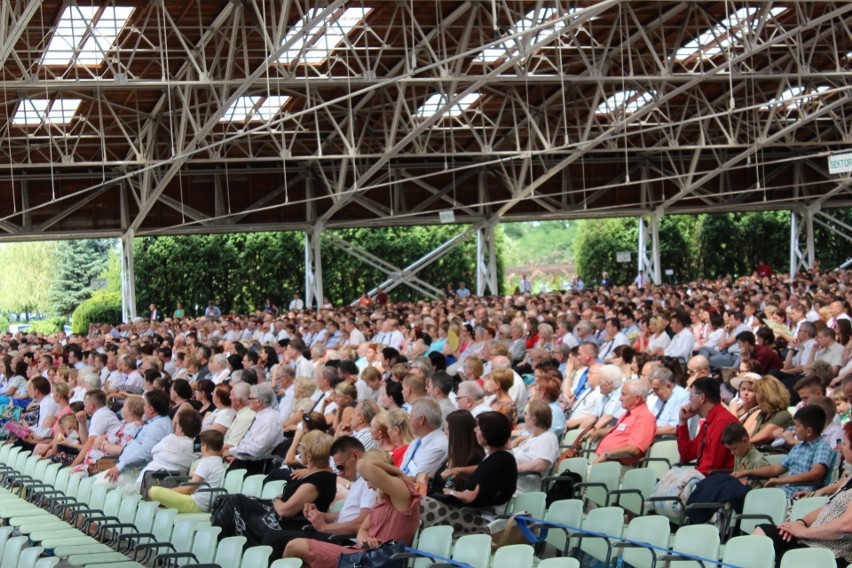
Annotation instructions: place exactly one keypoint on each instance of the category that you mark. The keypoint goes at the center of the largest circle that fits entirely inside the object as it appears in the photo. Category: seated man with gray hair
(610, 409)
(670, 398)
(471, 397)
(428, 452)
(263, 435)
(635, 430)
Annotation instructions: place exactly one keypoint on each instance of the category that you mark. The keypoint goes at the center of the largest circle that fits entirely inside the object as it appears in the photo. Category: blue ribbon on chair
(436, 557)
(523, 521)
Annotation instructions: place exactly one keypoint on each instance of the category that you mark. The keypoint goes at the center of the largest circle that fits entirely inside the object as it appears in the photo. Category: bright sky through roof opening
(711, 43)
(254, 109)
(530, 20)
(437, 101)
(34, 112)
(85, 34)
(625, 102)
(312, 46)
(794, 97)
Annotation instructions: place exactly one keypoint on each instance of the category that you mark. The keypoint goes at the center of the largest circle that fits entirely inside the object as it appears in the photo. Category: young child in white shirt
(210, 469)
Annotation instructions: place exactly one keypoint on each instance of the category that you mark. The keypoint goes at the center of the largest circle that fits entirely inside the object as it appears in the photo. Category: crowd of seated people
(427, 401)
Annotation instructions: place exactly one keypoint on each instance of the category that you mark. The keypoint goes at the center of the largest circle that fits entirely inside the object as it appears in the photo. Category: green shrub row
(102, 307)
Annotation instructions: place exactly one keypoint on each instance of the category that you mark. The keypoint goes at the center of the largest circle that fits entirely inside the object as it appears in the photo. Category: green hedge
(4, 324)
(102, 307)
(49, 326)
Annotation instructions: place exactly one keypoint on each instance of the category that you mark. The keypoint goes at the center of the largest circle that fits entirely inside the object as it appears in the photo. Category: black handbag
(379, 557)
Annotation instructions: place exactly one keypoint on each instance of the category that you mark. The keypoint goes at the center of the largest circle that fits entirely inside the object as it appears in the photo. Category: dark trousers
(252, 467)
(782, 546)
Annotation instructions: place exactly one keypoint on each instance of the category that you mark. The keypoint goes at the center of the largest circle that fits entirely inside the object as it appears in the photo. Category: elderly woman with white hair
(537, 452)
(219, 369)
(82, 382)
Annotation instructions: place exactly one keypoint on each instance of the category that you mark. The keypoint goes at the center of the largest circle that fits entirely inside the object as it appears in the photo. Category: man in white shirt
(285, 390)
(526, 284)
(428, 452)
(240, 394)
(837, 313)
(297, 303)
(728, 351)
(588, 403)
(803, 354)
(356, 338)
(471, 397)
(683, 342)
(295, 355)
(263, 435)
(614, 338)
(670, 398)
(113, 374)
(390, 334)
(517, 343)
(829, 350)
(102, 418)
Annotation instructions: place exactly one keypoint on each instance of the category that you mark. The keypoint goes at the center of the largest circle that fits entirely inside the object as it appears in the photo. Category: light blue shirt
(671, 411)
(558, 424)
(463, 293)
(138, 452)
(611, 404)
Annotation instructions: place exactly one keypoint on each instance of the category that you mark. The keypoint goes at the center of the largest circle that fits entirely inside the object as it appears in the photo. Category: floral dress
(121, 435)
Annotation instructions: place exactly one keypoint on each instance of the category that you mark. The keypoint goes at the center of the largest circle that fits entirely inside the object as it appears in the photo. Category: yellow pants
(174, 500)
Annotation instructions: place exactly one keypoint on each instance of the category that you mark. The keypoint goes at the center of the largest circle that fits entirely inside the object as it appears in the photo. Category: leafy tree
(103, 307)
(538, 242)
(28, 268)
(596, 245)
(112, 272)
(77, 262)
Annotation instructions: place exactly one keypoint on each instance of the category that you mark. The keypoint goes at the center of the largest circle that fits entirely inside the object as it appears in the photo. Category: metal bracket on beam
(395, 274)
(406, 274)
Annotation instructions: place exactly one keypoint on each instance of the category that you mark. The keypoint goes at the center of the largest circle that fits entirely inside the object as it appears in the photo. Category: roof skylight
(85, 34)
(625, 102)
(34, 112)
(259, 108)
(437, 101)
(531, 19)
(794, 97)
(711, 43)
(313, 45)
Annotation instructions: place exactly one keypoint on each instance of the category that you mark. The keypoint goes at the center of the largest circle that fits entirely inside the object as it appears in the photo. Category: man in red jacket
(705, 401)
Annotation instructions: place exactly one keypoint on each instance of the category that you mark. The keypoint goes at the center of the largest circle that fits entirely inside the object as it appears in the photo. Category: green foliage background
(239, 271)
(705, 246)
(103, 307)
